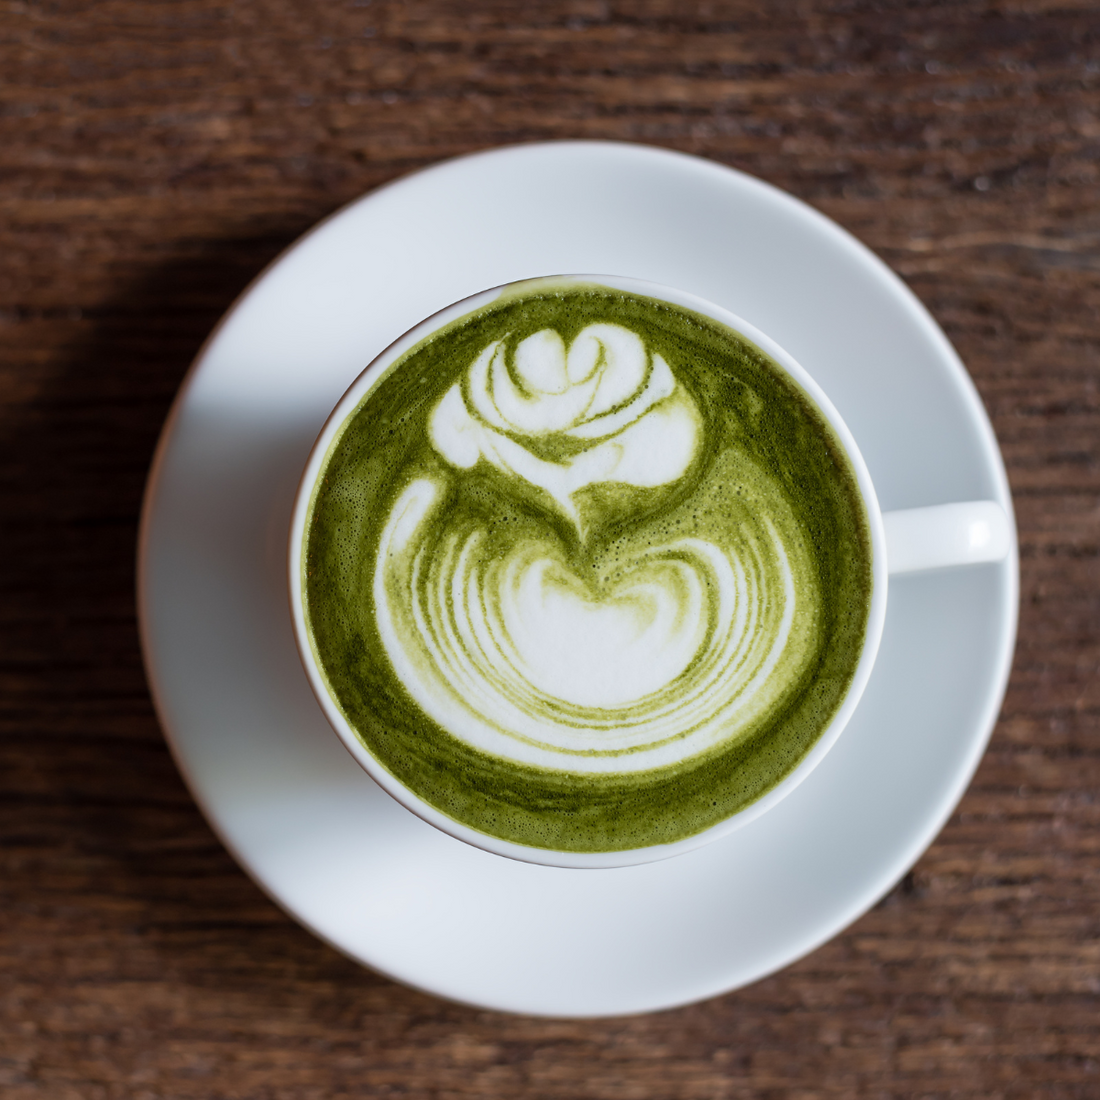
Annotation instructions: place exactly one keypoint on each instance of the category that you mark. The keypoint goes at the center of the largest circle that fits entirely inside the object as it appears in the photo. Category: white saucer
(301, 816)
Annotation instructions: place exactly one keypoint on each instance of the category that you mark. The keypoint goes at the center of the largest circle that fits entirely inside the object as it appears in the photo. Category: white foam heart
(512, 653)
(604, 651)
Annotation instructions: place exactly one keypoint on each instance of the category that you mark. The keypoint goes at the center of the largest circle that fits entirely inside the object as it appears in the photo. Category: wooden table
(154, 156)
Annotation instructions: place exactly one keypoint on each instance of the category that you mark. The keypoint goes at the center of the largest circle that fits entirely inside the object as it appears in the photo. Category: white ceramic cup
(945, 535)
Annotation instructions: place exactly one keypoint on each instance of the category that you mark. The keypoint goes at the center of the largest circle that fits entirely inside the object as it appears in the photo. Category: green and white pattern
(587, 571)
(533, 648)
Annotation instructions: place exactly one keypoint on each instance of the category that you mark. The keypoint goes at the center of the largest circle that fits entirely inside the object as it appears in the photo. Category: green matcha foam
(586, 571)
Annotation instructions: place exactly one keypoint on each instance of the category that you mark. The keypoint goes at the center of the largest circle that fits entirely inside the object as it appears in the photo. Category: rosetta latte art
(535, 647)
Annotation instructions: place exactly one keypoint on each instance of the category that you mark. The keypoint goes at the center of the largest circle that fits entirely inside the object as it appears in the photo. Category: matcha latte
(585, 570)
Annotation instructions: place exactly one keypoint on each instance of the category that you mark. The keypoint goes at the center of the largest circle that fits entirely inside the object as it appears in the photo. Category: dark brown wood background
(155, 155)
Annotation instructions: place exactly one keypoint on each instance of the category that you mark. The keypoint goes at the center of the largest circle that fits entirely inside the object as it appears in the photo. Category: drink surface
(587, 571)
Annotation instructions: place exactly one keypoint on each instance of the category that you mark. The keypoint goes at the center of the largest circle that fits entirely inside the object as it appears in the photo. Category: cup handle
(946, 534)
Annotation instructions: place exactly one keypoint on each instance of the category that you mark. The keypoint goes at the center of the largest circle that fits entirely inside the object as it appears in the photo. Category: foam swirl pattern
(666, 654)
(587, 572)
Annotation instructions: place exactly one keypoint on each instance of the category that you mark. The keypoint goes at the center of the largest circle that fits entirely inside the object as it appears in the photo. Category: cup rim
(373, 373)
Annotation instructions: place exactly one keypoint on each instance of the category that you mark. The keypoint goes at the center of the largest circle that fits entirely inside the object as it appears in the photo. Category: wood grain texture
(154, 156)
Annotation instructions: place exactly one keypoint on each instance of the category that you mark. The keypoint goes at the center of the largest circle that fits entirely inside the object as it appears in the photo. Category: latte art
(605, 411)
(632, 657)
(586, 571)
